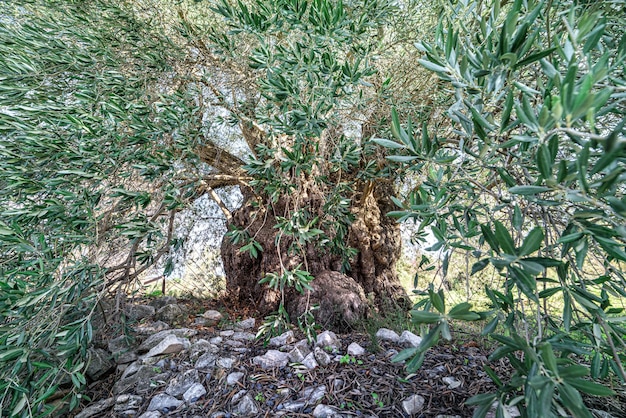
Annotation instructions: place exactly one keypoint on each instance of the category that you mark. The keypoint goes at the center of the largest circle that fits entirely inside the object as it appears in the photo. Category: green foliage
(530, 180)
(84, 133)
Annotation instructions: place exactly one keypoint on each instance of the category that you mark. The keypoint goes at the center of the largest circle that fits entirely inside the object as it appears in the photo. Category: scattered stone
(155, 339)
(321, 356)
(314, 394)
(309, 361)
(96, 408)
(164, 403)
(324, 411)
(122, 350)
(408, 339)
(213, 316)
(99, 363)
(162, 301)
(143, 379)
(216, 340)
(171, 344)
(225, 362)
(150, 414)
(206, 361)
(194, 393)
(271, 359)
(298, 353)
(126, 402)
(355, 350)
(247, 406)
(385, 334)
(246, 324)
(451, 382)
(137, 312)
(151, 328)
(282, 340)
(292, 406)
(171, 313)
(234, 378)
(328, 339)
(181, 383)
(413, 404)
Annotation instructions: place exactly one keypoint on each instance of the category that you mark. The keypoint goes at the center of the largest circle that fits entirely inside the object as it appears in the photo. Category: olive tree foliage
(526, 174)
(92, 140)
(106, 116)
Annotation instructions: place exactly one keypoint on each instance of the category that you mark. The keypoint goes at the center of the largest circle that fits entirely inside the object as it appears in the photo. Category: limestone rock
(413, 404)
(385, 334)
(314, 394)
(355, 349)
(171, 344)
(246, 324)
(126, 402)
(309, 361)
(155, 339)
(164, 403)
(271, 359)
(163, 301)
(137, 312)
(324, 411)
(321, 356)
(206, 361)
(122, 350)
(247, 406)
(234, 378)
(408, 339)
(96, 408)
(181, 383)
(194, 393)
(328, 339)
(282, 340)
(213, 316)
(171, 313)
(99, 363)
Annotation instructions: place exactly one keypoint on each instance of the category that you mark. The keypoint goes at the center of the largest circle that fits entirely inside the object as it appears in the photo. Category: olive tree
(527, 177)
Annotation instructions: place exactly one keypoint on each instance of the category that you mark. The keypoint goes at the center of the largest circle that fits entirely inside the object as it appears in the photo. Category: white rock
(324, 411)
(206, 361)
(149, 414)
(299, 353)
(243, 336)
(282, 340)
(452, 382)
(246, 324)
(212, 315)
(155, 339)
(413, 404)
(322, 357)
(234, 378)
(313, 394)
(195, 392)
(385, 334)
(171, 344)
(309, 361)
(181, 383)
(355, 350)
(216, 340)
(164, 403)
(271, 359)
(227, 333)
(127, 401)
(408, 339)
(225, 362)
(247, 406)
(96, 408)
(328, 339)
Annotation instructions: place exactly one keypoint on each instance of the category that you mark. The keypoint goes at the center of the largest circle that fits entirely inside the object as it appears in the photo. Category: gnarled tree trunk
(343, 298)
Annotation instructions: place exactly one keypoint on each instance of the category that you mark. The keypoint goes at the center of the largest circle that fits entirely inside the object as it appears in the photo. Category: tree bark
(344, 298)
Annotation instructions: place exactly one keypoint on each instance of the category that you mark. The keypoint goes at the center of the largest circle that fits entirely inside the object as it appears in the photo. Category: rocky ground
(186, 364)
